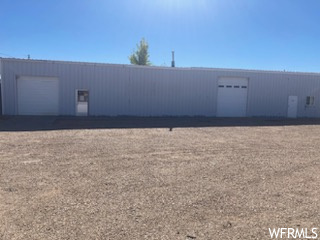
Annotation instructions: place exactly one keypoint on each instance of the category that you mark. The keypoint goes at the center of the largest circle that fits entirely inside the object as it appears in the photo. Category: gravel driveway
(157, 178)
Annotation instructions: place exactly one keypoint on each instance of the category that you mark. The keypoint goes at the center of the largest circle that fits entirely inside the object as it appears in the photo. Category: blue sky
(250, 34)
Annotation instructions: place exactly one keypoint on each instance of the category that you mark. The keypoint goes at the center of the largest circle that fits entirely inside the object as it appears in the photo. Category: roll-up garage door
(38, 95)
(232, 97)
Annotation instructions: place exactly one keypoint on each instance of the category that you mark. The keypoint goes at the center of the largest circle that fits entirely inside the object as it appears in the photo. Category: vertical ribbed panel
(148, 91)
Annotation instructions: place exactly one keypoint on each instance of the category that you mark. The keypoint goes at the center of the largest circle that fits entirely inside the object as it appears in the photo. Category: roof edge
(158, 67)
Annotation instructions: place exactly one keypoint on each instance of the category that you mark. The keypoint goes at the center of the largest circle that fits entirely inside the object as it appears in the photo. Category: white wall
(151, 91)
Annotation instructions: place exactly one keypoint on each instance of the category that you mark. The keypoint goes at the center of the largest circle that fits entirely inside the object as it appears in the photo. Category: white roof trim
(160, 67)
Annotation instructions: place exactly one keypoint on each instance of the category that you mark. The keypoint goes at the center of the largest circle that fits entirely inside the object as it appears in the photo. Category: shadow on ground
(19, 123)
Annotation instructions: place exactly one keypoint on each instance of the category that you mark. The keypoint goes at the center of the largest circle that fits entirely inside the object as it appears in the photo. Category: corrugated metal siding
(143, 91)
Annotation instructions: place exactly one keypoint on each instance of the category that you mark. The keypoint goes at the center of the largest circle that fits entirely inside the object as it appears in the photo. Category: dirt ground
(158, 178)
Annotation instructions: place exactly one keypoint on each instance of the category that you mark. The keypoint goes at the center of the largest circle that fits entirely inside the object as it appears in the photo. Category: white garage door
(38, 96)
(232, 97)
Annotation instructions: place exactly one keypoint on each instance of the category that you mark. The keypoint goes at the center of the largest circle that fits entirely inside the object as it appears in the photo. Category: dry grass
(205, 182)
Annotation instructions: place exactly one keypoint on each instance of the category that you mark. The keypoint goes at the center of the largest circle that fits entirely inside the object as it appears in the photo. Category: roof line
(158, 67)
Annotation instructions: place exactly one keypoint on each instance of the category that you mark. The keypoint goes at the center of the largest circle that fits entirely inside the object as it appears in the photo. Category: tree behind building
(141, 55)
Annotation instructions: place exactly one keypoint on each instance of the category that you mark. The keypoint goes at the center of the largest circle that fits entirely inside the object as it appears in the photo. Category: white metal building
(41, 87)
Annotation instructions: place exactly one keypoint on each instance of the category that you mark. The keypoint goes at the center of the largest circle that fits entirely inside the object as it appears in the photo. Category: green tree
(141, 55)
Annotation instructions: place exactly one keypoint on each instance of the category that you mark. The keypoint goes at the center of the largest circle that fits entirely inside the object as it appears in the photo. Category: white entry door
(292, 106)
(82, 102)
(38, 95)
(232, 97)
